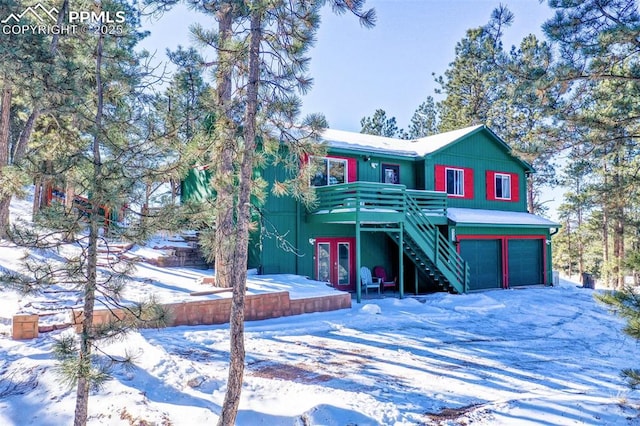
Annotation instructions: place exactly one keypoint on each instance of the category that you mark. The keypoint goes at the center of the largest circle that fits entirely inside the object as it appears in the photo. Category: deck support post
(358, 263)
(401, 261)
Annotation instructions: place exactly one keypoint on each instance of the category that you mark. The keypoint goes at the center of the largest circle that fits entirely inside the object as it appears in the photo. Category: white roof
(433, 143)
(497, 217)
(412, 148)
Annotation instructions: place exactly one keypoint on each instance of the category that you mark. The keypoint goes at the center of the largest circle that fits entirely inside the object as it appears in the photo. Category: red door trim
(333, 252)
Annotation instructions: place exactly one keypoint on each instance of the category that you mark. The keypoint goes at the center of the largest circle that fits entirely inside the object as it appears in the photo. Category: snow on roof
(433, 143)
(412, 148)
(365, 142)
(497, 217)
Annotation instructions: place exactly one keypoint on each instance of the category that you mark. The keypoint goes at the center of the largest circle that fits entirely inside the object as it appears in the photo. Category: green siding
(195, 186)
(482, 153)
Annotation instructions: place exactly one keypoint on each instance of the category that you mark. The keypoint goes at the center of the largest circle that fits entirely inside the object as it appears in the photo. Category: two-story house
(442, 212)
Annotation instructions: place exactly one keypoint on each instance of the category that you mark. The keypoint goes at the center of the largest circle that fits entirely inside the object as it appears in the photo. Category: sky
(390, 66)
(528, 357)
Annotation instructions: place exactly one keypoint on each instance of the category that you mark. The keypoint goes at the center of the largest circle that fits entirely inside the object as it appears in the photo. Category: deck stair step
(110, 254)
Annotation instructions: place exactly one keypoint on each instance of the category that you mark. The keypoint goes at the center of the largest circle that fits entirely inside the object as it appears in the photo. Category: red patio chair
(379, 272)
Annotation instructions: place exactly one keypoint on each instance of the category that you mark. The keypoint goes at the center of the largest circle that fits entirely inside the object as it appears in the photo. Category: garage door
(525, 262)
(485, 264)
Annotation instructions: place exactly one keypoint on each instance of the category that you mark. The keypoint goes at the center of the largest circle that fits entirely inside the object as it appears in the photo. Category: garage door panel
(525, 262)
(484, 258)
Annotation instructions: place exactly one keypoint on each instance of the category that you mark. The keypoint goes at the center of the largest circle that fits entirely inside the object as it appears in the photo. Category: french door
(335, 262)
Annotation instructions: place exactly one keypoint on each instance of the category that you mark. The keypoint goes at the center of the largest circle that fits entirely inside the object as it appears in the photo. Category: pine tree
(473, 83)
(103, 144)
(424, 121)
(513, 93)
(261, 63)
(599, 75)
(378, 124)
(27, 72)
(266, 24)
(529, 100)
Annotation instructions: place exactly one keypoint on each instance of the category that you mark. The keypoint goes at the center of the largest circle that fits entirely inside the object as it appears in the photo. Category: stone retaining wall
(205, 312)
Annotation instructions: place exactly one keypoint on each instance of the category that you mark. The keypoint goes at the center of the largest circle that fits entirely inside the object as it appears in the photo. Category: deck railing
(370, 196)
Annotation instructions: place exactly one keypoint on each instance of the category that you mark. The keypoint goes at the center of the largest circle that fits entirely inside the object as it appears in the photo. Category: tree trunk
(225, 232)
(618, 249)
(95, 200)
(5, 112)
(239, 261)
(580, 239)
(87, 334)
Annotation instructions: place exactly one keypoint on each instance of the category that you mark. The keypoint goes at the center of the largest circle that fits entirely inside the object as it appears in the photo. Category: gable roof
(410, 147)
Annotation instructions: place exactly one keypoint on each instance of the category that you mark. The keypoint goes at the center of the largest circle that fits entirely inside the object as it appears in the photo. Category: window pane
(324, 264)
(506, 187)
(337, 172)
(459, 182)
(391, 174)
(343, 264)
(455, 182)
(320, 176)
(451, 182)
(503, 187)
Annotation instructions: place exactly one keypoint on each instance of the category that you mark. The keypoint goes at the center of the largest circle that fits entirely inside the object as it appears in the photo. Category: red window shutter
(491, 185)
(515, 187)
(352, 169)
(468, 183)
(440, 178)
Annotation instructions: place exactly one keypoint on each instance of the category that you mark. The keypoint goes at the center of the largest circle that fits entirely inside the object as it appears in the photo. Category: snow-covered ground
(534, 356)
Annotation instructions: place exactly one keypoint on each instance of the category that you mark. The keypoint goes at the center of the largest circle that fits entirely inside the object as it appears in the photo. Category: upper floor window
(390, 173)
(455, 182)
(329, 171)
(503, 186)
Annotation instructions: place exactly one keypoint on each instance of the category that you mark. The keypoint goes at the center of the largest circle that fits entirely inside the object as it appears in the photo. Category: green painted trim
(355, 152)
(499, 225)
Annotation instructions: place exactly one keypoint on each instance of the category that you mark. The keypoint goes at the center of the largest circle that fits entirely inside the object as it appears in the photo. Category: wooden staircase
(432, 253)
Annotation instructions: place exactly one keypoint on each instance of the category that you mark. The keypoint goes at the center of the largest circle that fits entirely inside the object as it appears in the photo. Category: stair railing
(432, 242)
